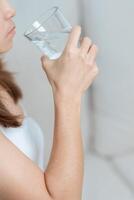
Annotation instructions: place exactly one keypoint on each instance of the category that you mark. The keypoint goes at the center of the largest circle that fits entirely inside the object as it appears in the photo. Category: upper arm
(20, 177)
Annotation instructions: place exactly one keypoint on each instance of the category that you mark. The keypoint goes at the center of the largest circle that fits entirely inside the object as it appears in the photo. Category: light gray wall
(24, 59)
(110, 24)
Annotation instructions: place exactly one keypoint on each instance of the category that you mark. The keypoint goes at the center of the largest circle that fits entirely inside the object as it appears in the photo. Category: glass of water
(50, 32)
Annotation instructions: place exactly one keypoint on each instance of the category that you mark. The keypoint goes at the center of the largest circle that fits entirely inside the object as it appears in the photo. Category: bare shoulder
(20, 178)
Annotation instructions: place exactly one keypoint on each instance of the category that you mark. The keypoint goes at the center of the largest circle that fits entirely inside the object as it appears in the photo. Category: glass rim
(52, 9)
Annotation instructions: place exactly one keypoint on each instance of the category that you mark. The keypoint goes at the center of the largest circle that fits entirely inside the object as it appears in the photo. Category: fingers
(91, 56)
(74, 37)
(85, 45)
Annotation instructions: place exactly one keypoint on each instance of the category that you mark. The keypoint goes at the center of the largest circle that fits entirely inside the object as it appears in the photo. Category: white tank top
(29, 138)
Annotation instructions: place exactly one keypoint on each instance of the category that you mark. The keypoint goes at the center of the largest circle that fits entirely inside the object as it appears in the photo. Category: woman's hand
(74, 71)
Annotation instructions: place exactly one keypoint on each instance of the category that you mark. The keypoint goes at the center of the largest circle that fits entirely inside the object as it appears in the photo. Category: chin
(6, 48)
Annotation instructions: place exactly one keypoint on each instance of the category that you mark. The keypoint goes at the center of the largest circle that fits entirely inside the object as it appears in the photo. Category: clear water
(51, 44)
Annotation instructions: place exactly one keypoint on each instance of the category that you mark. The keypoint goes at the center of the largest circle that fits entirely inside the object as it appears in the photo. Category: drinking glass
(50, 32)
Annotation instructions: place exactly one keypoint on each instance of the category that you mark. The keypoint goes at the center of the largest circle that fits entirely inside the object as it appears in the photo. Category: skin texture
(6, 14)
(69, 76)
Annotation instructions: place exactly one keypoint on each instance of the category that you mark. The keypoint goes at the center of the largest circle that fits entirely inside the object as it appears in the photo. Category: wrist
(67, 102)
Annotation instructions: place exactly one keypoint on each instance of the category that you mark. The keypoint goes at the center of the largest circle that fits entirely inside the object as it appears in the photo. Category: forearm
(64, 173)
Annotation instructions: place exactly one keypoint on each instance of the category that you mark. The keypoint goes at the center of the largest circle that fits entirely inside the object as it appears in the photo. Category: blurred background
(107, 111)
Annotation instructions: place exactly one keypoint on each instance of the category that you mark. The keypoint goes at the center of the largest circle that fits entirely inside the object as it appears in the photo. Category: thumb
(45, 59)
(45, 62)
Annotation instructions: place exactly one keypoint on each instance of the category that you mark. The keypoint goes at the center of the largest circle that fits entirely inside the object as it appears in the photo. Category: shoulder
(14, 165)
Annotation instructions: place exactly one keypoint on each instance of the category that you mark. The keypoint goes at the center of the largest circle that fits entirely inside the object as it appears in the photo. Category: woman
(20, 177)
